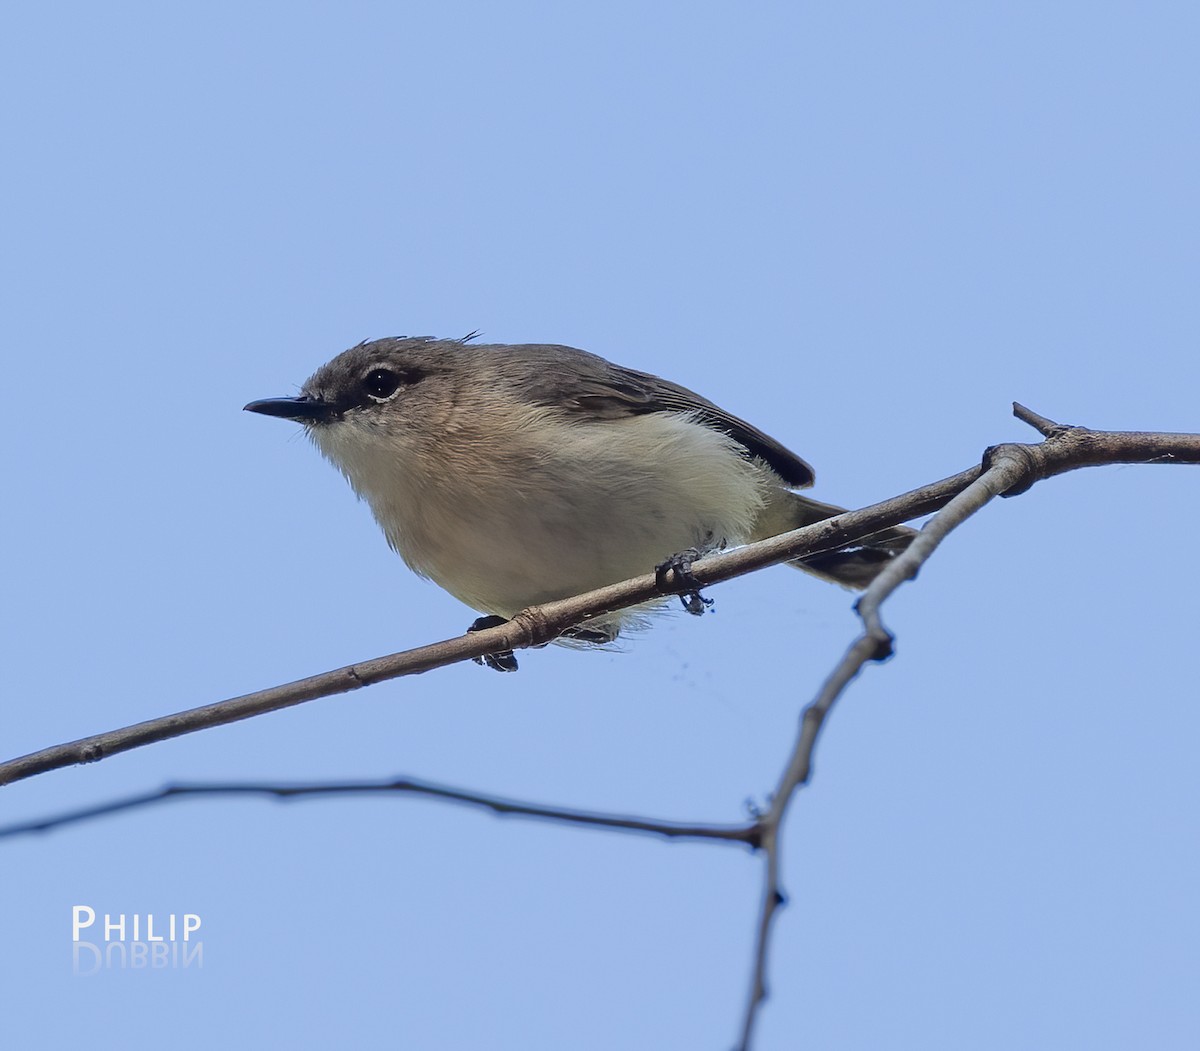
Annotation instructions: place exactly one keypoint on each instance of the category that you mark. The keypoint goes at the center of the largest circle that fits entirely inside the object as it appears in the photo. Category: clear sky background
(868, 228)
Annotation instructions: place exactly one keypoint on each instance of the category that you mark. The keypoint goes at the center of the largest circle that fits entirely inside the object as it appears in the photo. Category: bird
(517, 474)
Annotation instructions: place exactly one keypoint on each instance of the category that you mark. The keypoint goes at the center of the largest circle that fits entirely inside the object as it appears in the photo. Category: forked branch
(1007, 470)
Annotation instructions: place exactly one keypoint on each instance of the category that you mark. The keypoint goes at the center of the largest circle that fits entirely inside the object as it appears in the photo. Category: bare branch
(532, 627)
(1007, 470)
(1010, 469)
(1039, 423)
(1068, 449)
(745, 833)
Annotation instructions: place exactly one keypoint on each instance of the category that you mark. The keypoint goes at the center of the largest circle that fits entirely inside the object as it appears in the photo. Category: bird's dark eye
(382, 383)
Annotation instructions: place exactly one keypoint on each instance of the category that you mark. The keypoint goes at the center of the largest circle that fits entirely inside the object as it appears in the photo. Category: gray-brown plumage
(513, 475)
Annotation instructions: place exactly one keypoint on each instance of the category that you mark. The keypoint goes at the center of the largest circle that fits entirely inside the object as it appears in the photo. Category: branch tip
(1038, 422)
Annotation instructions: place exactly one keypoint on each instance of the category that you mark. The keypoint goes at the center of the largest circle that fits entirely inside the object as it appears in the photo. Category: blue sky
(866, 228)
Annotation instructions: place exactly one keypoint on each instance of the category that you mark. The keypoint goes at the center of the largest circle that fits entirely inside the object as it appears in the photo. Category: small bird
(515, 475)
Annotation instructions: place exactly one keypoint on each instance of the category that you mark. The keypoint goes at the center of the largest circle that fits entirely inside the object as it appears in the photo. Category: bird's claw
(505, 660)
(680, 567)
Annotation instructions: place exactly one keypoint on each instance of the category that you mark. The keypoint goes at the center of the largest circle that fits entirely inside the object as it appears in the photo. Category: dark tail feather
(852, 567)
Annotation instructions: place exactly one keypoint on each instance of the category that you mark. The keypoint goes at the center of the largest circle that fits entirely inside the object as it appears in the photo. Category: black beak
(303, 410)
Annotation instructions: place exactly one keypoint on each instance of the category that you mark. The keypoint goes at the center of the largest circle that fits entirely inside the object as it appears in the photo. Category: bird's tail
(852, 567)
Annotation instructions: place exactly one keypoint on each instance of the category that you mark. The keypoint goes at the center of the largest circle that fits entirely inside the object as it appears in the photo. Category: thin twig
(746, 833)
(874, 644)
(1040, 424)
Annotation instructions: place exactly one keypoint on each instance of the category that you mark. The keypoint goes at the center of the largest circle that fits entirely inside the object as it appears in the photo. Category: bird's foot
(680, 566)
(505, 660)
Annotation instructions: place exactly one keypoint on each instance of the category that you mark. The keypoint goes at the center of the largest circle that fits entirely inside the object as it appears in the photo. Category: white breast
(547, 507)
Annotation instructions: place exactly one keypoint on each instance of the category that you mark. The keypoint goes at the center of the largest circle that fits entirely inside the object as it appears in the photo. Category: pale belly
(541, 522)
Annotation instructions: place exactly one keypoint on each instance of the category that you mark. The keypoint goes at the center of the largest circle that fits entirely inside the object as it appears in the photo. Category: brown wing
(627, 392)
(573, 380)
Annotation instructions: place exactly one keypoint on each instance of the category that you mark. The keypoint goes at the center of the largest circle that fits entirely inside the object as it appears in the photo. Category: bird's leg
(680, 565)
(505, 660)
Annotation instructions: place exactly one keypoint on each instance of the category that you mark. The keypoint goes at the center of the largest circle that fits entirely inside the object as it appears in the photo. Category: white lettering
(77, 911)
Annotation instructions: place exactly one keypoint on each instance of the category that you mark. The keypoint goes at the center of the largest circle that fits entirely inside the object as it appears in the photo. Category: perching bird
(514, 475)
